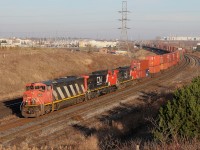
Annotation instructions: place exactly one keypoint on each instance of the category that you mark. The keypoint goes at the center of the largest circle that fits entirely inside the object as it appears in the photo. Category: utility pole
(123, 42)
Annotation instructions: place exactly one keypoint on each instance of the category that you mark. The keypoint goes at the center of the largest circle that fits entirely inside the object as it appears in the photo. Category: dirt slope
(21, 66)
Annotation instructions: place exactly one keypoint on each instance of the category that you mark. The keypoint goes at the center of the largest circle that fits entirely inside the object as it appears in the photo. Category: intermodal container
(143, 73)
(153, 60)
(174, 63)
(154, 69)
(168, 48)
(140, 64)
(174, 58)
(177, 56)
(165, 47)
(170, 57)
(164, 59)
(170, 64)
(137, 74)
(164, 66)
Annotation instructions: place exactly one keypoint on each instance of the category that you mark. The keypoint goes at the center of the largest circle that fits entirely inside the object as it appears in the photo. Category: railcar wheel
(98, 93)
(24, 115)
(37, 114)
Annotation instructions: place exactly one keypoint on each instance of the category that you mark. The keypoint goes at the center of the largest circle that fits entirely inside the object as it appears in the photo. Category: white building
(97, 44)
(181, 38)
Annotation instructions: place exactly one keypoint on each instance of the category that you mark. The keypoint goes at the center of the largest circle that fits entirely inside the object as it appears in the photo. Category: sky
(98, 19)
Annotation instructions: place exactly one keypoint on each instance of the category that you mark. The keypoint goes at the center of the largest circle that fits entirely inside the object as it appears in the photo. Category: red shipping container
(137, 74)
(168, 47)
(174, 62)
(154, 69)
(164, 66)
(140, 64)
(170, 57)
(170, 64)
(142, 73)
(173, 57)
(161, 59)
(165, 47)
(178, 56)
(153, 60)
(164, 59)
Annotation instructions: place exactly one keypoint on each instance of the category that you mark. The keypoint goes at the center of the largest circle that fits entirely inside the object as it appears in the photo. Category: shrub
(180, 118)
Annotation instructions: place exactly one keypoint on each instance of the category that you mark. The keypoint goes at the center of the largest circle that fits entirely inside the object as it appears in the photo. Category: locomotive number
(99, 80)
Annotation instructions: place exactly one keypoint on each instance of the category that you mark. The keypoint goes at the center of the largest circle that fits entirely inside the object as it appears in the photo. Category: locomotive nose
(29, 99)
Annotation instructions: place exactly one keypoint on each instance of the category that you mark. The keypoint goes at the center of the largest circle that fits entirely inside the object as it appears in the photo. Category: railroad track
(10, 107)
(55, 123)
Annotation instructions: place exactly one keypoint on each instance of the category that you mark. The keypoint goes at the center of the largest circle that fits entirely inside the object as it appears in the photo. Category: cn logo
(99, 80)
(125, 75)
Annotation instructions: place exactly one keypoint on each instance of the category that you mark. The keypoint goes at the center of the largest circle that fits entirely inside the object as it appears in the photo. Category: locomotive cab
(34, 98)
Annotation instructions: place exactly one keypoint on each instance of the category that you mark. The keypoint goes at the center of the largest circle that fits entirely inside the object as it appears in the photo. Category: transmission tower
(123, 42)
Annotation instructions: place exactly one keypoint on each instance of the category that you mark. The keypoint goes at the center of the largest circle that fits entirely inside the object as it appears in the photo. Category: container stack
(139, 69)
(164, 62)
(154, 64)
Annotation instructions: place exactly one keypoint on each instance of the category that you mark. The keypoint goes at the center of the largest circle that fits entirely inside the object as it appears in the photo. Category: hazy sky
(99, 18)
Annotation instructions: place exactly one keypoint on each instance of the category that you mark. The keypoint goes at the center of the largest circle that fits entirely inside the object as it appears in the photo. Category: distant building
(198, 47)
(84, 43)
(118, 52)
(6, 42)
(181, 38)
(97, 44)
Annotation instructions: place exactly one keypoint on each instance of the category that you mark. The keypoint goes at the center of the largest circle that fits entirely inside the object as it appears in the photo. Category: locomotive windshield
(41, 88)
(29, 88)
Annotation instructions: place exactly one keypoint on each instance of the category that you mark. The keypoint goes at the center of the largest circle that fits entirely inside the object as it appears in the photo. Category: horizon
(99, 19)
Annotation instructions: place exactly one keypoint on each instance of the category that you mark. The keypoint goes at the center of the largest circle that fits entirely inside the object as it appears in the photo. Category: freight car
(48, 96)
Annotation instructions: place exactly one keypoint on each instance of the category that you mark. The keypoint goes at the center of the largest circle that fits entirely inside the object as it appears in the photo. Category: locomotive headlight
(40, 95)
(33, 101)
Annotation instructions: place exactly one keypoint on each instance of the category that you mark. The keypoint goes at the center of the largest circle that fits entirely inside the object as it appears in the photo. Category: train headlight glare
(33, 101)
(40, 95)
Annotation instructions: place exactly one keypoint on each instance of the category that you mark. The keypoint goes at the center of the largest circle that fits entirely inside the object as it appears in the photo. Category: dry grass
(91, 143)
(21, 66)
(141, 53)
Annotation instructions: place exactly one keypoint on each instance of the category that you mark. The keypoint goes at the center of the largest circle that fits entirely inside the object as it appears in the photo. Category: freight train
(44, 97)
